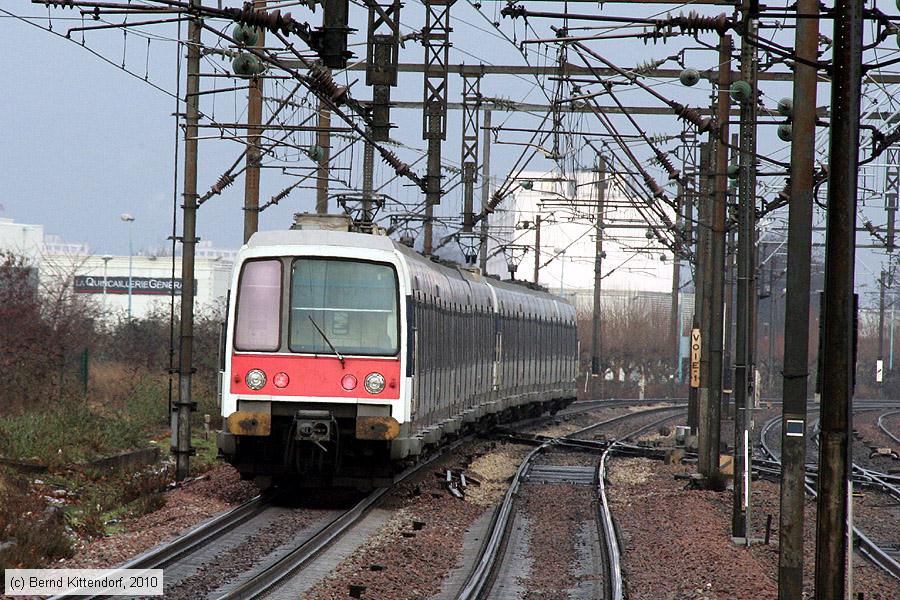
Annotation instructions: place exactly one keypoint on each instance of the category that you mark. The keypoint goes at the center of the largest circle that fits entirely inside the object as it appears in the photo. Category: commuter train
(347, 355)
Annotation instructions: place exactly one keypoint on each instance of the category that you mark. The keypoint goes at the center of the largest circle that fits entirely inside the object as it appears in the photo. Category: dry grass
(37, 532)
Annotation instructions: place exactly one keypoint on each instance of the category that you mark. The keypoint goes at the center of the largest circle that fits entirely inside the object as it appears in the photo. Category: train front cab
(313, 387)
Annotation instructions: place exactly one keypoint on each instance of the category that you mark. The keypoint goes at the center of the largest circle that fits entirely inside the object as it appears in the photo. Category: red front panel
(318, 376)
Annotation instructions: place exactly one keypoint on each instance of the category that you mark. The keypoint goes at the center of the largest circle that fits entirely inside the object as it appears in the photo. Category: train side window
(258, 318)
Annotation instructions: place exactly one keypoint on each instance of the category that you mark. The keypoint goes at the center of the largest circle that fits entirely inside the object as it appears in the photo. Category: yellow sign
(695, 358)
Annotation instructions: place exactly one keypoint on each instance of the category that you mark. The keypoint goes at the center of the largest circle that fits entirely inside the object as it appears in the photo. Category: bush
(41, 330)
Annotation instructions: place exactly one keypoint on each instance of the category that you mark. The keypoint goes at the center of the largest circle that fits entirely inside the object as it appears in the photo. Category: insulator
(245, 35)
(281, 195)
(785, 132)
(786, 107)
(224, 181)
(646, 67)
(496, 198)
(740, 91)
(686, 113)
(246, 65)
(663, 160)
(400, 167)
(324, 82)
(654, 35)
(60, 3)
(315, 153)
(272, 20)
(513, 11)
(689, 77)
(694, 23)
(733, 171)
(527, 184)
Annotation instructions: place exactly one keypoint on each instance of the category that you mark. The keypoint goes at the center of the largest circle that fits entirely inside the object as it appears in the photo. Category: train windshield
(259, 306)
(349, 305)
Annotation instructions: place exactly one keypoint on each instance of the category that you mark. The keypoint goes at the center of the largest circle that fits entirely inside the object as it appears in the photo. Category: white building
(21, 239)
(105, 278)
(568, 212)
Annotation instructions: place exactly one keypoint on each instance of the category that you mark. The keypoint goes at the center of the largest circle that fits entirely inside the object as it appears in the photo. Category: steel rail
(190, 542)
(884, 428)
(610, 540)
(477, 585)
(866, 546)
(299, 558)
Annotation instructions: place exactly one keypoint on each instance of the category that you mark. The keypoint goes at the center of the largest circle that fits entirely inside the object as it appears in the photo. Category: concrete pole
(727, 353)
(674, 314)
(596, 341)
(181, 426)
(730, 259)
(710, 444)
(837, 359)
(700, 290)
(746, 290)
(770, 331)
(323, 141)
(485, 186)
(537, 248)
(254, 132)
(880, 359)
(368, 184)
(433, 191)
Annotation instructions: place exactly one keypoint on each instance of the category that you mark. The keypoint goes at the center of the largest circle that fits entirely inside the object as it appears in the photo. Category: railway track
(877, 554)
(482, 578)
(884, 428)
(188, 554)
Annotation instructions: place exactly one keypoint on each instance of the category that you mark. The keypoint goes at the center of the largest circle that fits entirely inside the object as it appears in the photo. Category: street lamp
(561, 252)
(129, 219)
(106, 259)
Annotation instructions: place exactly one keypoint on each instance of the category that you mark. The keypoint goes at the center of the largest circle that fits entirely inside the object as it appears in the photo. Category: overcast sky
(84, 141)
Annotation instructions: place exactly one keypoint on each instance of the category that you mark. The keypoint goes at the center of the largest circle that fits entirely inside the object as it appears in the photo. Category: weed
(37, 533)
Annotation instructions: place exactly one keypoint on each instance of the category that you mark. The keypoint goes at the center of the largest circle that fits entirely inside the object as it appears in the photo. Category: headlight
(374, 383)
(255, 379)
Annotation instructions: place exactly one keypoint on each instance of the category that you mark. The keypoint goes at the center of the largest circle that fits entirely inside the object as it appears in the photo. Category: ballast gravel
(556, 514)
(409, 557)
(676, 544)
(677, 541)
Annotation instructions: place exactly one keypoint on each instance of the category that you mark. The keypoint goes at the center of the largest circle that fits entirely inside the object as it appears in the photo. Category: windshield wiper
(327, 341)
